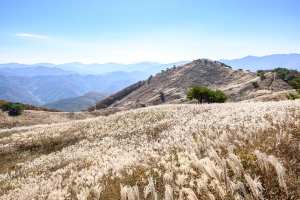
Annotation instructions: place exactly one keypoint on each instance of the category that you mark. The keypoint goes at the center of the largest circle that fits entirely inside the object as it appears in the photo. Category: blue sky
(128, 31)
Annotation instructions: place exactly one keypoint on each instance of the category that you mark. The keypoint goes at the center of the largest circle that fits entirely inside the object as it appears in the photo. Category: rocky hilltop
(175, 82)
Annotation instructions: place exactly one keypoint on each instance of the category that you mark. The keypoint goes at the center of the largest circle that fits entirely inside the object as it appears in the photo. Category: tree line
(104, 103)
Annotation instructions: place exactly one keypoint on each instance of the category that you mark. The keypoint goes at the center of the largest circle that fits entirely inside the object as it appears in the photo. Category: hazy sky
(128, 31)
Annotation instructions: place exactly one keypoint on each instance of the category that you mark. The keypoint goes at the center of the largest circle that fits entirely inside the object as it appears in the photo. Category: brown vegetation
(174, 83)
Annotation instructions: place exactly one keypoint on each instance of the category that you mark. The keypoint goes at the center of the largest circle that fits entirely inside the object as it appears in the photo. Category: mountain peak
(174, 83)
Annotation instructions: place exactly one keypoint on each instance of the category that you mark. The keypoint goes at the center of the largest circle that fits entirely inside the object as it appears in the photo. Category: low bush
(255, 84)
(13, 109)
(162, 96)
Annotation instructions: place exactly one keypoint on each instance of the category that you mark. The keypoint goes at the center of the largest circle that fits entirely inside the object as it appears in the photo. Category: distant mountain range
(84, 69)
(77, 103)
(35, 71)
(39, 90)
(253, 63)
(44, 83)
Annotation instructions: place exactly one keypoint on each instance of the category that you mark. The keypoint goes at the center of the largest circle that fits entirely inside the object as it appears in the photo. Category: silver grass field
(213, 151)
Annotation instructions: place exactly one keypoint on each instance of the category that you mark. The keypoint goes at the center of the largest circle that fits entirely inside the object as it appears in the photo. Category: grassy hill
(77, 103)
(213, 151)
(175, 82)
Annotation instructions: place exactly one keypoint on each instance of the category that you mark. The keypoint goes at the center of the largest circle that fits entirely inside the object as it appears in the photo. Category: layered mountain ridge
(174, 83)
(45, 82)
(77, 103)
(45, 89)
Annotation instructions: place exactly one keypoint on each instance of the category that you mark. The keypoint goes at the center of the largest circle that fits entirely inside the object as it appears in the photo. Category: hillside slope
(175, 83)
(212, 151)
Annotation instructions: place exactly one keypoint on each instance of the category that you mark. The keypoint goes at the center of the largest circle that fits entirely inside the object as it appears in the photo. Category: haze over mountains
(76, 67)
(254, 63)
(45, 89)
(35, 71)
(77, 103)
(43, 83)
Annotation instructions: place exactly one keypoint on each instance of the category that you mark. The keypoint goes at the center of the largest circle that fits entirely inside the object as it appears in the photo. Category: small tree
(205, 94)
(13, 109)
(162, 96)
(16, 109)
(149, 79)
(262, 77)
(255, 84)
(198, 92)
(217, 97)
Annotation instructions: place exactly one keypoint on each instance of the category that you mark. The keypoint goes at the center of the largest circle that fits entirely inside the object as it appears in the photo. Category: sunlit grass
(215, 151)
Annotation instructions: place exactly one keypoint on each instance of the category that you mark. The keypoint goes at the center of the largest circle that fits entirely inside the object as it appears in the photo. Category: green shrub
(255, 84)
(205, 94)
(295, 83)
(103, 106)
(285, 74)
(292, 96)
(149, 79)
(143, 105)
(6, 106)
(217, 97)
(13, 109)
(16, 109)
(262, 77)
(162, 96)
